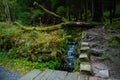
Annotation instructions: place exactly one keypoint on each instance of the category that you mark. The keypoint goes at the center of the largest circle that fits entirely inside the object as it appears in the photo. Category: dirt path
(103, 55)
(6, 74)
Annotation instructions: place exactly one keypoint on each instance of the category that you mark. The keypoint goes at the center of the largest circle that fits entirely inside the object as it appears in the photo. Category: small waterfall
(71, 53)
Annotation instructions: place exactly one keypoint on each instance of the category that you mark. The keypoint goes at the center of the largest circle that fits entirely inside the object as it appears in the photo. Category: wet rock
(103, 74)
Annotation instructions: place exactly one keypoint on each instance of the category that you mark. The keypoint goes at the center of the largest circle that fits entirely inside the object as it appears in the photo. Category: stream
(71, 53)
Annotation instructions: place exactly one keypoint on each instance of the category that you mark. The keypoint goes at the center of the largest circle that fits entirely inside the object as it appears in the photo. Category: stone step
(84, 44)
(84, 48)
(83, 56)
(84, 34)
(31, 75)
(85, 67)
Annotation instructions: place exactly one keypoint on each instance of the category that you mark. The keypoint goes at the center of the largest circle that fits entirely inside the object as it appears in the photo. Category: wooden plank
(71, 76)
(57, 75)
(82, 77)
(48, 74)
(40, 76)
(31, 75)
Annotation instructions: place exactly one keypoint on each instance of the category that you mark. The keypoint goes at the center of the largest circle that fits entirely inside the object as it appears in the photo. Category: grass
(29, 48)
(23, 48)
(25, 66)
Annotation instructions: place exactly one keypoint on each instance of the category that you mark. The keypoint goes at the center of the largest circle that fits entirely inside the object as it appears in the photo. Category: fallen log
(48, 12)
(50, 28)
(71, 24)
(82, 24)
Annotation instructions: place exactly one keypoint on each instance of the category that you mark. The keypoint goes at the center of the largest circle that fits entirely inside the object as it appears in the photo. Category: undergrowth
(36, 49)
(25, 66)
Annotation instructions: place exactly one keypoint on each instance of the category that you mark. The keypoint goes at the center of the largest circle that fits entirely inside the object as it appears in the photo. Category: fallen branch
(47, 11)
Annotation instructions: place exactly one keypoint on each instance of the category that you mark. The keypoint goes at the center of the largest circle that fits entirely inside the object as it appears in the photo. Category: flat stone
(103, 74)
(84, 43)
(83, 56)
(84, 48)
(31, 75)
(85, 66)
(84, 34)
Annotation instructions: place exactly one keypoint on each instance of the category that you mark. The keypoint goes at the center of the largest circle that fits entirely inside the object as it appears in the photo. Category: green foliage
(23, 65)
(25, 17)
(106, 15)
(118, 9)
(61, 10)
(36, 13)
(115, 41)
(115, 27)
(9, 34)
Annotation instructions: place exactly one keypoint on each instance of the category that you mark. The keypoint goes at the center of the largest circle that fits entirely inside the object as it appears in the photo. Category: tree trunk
(7, 11)
(86, 10)
(98, 11)
(114, 8)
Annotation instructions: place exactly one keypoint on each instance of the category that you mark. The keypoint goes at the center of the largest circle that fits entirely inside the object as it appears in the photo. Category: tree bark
(7, 11)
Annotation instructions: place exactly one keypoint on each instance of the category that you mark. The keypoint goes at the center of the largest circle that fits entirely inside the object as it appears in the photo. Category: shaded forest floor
(105, 49)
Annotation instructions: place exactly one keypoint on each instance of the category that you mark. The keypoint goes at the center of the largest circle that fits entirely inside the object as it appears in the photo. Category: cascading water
(71, 53)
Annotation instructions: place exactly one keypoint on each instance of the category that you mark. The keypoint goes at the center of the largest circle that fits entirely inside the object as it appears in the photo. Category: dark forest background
(73, 10)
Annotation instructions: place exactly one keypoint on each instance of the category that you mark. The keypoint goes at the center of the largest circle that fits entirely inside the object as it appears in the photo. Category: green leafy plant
(115, 41)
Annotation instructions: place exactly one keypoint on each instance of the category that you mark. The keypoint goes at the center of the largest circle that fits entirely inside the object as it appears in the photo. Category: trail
(103, 56)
